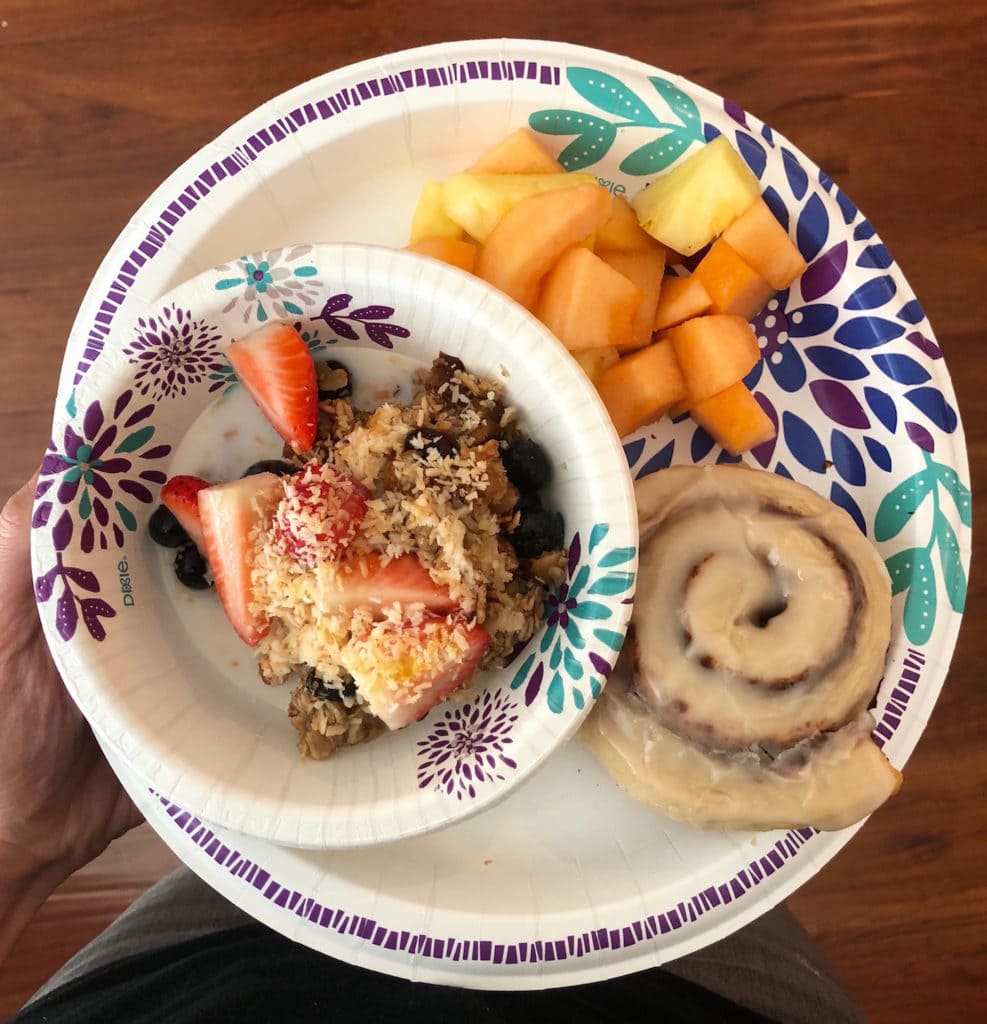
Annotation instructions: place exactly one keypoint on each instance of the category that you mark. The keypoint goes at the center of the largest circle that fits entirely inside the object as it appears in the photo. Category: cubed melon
(477, 202)
(641, 386)
(734, 419)
(454, 251)
(645, 269)
(532, 236)
(429, 219)
(596, 361)
(763, 244)
(679, 299)
(698, 198)
(622, 230)
(733, 286)
(587, 304)
(713, 353)
(519, 153)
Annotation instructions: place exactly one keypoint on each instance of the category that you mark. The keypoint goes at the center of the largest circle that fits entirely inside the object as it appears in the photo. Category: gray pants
(771, 966)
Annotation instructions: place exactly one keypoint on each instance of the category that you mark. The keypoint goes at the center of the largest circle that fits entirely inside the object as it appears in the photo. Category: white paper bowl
(156, 667)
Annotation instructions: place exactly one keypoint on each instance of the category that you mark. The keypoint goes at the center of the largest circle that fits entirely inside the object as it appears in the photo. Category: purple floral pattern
(370, 319)
(75, 581)
(468, 747)
(99, 466)
(172, 351)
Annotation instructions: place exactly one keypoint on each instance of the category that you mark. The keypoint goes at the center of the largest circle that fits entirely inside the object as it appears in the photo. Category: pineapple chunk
(693, 203)
(477, 202)
(429, 219)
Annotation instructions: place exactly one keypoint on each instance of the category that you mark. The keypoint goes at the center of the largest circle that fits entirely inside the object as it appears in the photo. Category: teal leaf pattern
(953, 574)
(655, 156)
(920, 605)
(681, 105)
(593, 141)
(564, 656)
(900, 568)
(610, 95)
(959, 492)
(901, 503)
(136, 440)
(595, 135)
(912, 569)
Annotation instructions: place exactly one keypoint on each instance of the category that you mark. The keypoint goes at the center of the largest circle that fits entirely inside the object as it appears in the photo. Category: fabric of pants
(771, 966)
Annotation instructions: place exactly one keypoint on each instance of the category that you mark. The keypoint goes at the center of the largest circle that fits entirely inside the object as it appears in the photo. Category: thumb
(15, 539)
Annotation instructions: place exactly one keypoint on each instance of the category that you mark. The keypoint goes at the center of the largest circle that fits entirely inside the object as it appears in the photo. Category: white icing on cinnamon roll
(762, 613)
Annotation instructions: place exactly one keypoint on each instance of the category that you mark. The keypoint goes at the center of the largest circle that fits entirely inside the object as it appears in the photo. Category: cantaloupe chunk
(477, 202)
(763, 244)
(644, 269)
(622, 230)
(587, 304)
(429, 219)
(455, 252)
(519, 153)
(596, 361)
(679, 299)
(713, 353)
(697, 199)
(733, 286)
(734, 419)
(641, 386)
(530, 238)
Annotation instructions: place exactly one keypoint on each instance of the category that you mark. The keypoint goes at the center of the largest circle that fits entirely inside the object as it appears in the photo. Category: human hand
(60, 803)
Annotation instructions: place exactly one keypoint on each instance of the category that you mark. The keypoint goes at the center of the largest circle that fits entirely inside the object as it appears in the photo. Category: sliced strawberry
(229, 512)
(275, 366)
(180, 495)
(368, 579)
(319, 515)
(403, 670)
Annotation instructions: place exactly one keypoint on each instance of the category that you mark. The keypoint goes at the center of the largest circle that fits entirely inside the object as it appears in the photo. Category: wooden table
(99, 102)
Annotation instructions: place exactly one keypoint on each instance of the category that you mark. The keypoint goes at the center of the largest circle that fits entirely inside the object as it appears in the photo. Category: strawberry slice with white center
(319, 515)
(229, 513)
(402, 670)
(369, 579)
(180, 495)
(275, 366)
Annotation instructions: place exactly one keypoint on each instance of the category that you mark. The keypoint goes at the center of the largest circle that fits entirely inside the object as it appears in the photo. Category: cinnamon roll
(759, 637)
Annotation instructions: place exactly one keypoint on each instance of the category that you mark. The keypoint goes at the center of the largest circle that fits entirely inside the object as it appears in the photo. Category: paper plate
(162, 675)
(569, 881)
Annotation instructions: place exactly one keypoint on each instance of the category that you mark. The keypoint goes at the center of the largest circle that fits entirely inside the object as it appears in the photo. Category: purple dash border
(243, 155)
(891, 717)
(461, 949)
(568, 947)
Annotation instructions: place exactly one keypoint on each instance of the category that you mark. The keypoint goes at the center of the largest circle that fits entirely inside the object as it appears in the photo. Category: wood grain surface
(99, 102)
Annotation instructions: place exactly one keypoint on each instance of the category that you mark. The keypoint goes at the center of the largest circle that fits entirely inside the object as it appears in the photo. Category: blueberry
(276, 466)
(425, 439)
(526, 464)
(321, 690)
(537, 531)
(190, 568)
(165, 529)
(334, 380)
(528, 501)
